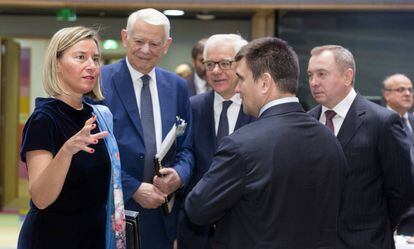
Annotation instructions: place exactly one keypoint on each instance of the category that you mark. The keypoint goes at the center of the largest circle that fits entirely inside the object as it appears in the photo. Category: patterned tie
(223, 127)
(329, 114)
(147, 121)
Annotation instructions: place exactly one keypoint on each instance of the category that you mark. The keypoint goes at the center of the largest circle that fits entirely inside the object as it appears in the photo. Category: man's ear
(349, 76)
(124, 37)
(386, 95)
(265, 82)
(167, 45)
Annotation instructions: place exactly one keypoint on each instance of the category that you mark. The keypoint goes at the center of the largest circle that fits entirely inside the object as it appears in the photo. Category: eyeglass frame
(400, 90)
(217, 63)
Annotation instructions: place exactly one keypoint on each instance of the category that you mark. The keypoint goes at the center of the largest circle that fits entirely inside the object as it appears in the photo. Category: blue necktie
(223, 127)
(147, 121)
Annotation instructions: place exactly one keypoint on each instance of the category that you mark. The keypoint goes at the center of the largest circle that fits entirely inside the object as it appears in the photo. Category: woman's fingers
(100, 135)
(87, 149)
(91, 120)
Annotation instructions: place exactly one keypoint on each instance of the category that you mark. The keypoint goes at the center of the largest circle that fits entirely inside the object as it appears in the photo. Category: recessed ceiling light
(173, 12)
(205, 16)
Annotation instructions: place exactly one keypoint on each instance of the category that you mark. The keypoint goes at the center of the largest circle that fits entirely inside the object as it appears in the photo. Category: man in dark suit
(145, 101)
(397, 90)
(378, 188)
(276, 182)
(197, 81)
(207, 109)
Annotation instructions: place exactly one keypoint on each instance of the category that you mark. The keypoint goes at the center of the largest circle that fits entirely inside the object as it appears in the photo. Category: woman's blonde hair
(60, 42)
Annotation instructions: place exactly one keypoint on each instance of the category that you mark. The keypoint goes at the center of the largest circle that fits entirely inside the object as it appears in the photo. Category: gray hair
(150, 16)
(343, 57)
(235, 40)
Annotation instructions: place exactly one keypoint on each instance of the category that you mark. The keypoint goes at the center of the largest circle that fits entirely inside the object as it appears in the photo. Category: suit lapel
(125, 90)
(352, 121)
(316, 112)
(165, 90)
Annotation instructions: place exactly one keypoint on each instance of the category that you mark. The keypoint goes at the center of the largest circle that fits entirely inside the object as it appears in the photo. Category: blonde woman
(63, 146)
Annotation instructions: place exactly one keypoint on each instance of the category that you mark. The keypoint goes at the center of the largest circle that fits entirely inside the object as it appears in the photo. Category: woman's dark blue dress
(77, 218)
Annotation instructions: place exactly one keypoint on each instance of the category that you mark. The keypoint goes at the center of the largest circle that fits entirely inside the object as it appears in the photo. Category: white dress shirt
(278, 102)
(137, 83)
(232, 112)
(200, 84)
(341, 110)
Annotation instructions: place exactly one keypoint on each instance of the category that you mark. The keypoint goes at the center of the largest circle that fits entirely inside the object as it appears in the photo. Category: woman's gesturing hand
(82, 139)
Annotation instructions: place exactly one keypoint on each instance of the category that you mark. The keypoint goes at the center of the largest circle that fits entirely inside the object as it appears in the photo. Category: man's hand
(149, 196)
(169, 182)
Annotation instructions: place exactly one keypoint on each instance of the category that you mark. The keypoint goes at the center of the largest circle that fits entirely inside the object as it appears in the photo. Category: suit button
(141, 156)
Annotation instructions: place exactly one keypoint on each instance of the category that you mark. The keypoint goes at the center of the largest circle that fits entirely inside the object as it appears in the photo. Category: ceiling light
(205, 16)
(173, 12)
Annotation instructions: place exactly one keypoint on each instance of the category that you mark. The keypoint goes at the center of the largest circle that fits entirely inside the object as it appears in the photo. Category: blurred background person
(197, 81)
(183, 70)
(68, 163)
(146, 101)
(397, 91)
(216, 114)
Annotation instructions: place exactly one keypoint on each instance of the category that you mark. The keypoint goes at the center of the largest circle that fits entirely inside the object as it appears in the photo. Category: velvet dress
(77, 218)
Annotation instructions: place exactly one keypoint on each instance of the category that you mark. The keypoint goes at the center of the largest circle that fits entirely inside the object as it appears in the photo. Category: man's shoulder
(113, 66)
(169, 77)
(373, 109)
(202, 98)
(165, 73)
(315, 111)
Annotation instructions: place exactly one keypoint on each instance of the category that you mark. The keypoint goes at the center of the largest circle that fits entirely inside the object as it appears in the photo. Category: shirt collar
(404, 116)
(218, 99)
(342, 107)
(135, 75)
(278, 102)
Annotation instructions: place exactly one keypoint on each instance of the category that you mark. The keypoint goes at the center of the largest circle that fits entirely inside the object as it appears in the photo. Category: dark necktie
(405, 126)
(329, 114)
(147, 121)
(223, 127)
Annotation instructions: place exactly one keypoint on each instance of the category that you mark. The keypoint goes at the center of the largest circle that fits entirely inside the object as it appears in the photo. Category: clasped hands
(153, 195)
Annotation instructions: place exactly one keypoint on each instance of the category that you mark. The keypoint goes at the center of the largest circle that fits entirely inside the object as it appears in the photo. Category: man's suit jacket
(204, 146)
(120, 97)
(378, 188)
(191, 85)
(273, 183)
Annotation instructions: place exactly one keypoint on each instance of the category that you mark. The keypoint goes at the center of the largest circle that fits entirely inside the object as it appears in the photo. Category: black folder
(133, 240)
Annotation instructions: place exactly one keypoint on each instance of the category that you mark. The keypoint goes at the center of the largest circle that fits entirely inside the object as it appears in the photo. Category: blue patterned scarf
(115, 214)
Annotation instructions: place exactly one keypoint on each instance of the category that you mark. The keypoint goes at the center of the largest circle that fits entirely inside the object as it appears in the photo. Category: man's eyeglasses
(223, 64)
(401, 90)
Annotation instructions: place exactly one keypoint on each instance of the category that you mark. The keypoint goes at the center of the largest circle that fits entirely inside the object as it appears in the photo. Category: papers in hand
(176, 130)
(166, 144)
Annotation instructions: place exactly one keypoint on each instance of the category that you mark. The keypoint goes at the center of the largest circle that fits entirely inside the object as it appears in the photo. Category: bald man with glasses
(216, 113)
(397, 90)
